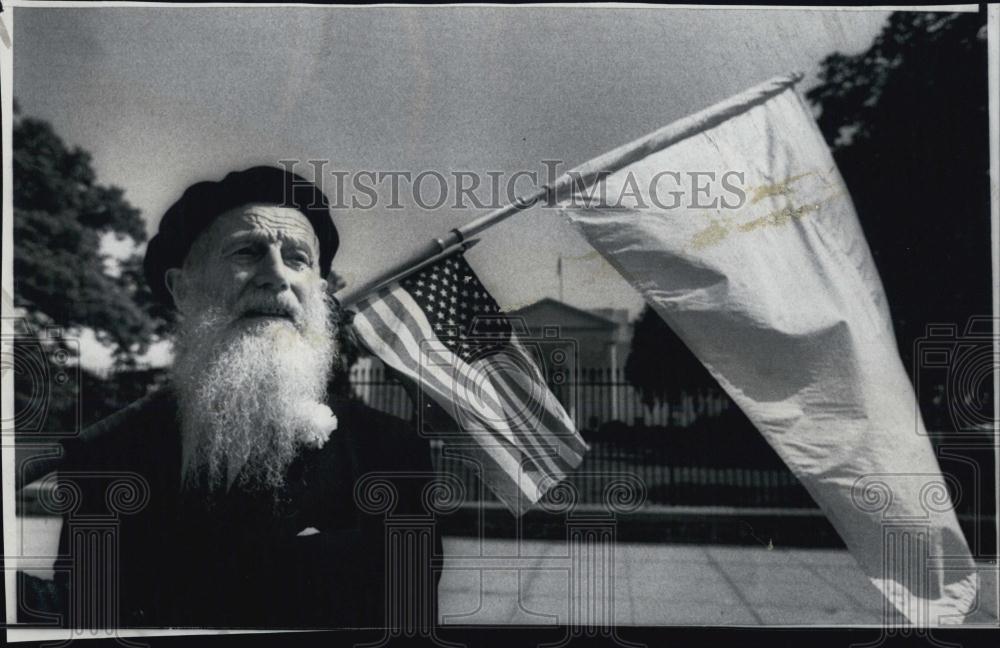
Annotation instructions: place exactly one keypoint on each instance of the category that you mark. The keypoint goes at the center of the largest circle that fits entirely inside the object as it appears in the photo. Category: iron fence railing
(596, 397)
(663, 483)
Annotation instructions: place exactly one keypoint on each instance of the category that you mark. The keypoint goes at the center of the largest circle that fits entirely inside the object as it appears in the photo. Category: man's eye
(299, 260)
(245, 253)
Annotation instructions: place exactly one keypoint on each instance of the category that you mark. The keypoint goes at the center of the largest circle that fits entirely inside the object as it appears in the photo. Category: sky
(166, 96)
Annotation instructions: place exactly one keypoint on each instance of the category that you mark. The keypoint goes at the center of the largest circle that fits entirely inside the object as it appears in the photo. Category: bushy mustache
(269, 304)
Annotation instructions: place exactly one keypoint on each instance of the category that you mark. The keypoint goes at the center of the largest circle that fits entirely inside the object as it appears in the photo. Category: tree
(660, 366)
(62, 280)
(907, 122)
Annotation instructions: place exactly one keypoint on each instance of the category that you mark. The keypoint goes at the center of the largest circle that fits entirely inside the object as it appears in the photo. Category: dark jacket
(243, 562)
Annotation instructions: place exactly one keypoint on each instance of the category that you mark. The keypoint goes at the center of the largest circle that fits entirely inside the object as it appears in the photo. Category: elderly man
(254, 515)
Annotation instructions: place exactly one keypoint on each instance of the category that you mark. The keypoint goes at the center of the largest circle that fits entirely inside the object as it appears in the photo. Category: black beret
(203, 202)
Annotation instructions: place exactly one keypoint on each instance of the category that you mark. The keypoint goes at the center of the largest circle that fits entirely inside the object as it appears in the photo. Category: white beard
(244, 391)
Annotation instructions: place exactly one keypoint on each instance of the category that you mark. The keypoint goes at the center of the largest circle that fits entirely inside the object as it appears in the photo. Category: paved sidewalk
(528, 582)
(503, 581)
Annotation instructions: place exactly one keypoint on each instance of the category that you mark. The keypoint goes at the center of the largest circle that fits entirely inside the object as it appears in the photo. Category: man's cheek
(236, 286)
(224, 303)
(238, 278)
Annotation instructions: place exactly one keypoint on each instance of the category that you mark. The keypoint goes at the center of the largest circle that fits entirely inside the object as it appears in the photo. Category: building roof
(563, 314)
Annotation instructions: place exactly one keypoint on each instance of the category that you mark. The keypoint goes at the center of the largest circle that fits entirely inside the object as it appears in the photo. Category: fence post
(614, 393)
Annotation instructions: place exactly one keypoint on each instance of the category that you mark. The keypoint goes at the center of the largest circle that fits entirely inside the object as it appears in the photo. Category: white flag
(759, 264)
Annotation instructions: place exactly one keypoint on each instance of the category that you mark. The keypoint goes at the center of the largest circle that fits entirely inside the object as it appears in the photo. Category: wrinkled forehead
(268, 222)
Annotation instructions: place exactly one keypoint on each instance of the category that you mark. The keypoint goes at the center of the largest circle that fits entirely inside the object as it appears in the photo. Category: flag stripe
(368, 327)
(409, 314)
(382, 322)
(442, 330)
(557, 419)
(515, 393)
(437, 377)
(446, 366)
(545, 455)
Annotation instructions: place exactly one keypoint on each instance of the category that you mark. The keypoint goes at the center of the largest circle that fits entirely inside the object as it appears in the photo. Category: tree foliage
(907, 123)
(64, 283)
(659, 364)
(61, 277)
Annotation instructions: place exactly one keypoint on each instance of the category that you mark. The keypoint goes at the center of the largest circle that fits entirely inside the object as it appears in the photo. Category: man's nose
(272, 271)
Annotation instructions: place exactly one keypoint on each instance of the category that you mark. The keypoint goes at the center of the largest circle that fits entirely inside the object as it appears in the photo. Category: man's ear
(176, 286)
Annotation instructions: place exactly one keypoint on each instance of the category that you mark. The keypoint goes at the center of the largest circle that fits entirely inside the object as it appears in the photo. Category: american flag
(441, 329)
